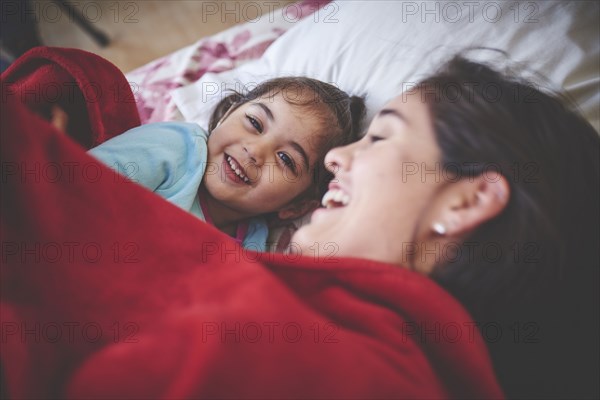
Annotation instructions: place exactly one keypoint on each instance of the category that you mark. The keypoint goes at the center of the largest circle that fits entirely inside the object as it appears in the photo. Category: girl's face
(262, 156)
(378, 202)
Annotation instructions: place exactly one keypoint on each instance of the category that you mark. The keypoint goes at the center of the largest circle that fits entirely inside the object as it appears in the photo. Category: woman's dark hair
(340, 115)
(531, 273)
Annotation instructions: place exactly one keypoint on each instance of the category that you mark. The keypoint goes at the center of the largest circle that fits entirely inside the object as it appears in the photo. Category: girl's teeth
(237, 171)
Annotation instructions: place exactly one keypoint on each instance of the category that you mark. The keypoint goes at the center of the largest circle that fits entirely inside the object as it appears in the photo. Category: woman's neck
(221, 216)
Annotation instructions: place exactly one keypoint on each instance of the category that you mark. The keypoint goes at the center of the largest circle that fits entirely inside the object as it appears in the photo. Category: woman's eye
(255, 123)
(375, 138)
(287, 160)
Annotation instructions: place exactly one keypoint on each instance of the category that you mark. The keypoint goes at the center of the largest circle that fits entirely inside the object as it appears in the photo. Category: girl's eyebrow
(267, 111)
(302, 153)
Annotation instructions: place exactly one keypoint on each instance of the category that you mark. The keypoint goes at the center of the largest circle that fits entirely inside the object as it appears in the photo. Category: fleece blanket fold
(109, 291)
(92, 91)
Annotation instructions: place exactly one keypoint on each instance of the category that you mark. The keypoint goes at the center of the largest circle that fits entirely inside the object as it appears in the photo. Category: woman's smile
(335, 197)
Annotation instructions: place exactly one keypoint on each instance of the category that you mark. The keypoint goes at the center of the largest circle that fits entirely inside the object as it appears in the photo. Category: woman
(179, 311)
(490, 187)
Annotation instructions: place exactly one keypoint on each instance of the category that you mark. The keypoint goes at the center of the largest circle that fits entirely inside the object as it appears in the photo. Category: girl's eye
(287, 160)
(255, 123)
(374, 138)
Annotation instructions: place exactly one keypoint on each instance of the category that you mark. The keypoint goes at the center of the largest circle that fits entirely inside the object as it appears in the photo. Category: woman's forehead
(409, 97)
(290, 94)
(409, 107)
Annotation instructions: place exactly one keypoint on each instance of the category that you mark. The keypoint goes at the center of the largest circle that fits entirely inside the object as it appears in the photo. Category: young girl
(262, 156)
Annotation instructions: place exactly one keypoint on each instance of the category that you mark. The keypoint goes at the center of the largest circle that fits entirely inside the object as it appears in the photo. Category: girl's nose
(250, 154)
(258, 150)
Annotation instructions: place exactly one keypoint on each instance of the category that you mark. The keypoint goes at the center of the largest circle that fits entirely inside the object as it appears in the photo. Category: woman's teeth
(237, 170)
(335, 198)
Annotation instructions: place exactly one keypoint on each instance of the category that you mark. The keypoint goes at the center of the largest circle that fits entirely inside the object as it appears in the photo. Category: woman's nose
(339, 158)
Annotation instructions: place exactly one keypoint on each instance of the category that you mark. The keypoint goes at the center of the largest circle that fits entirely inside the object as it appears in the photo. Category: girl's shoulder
(170, 130)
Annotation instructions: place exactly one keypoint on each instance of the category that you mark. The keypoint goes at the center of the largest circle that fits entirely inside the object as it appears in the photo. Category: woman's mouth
(237, 172)
(335, 198)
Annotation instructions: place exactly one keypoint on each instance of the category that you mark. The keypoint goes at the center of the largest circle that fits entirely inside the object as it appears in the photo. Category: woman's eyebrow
(302, 153)
(393, 112)
(267, 111)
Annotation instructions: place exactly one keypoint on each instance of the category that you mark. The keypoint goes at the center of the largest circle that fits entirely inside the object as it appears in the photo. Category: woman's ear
(297, 209)
(473, 201)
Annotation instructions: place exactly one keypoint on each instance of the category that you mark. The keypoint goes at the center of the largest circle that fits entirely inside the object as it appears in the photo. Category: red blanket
(93, 92)
(110, 291)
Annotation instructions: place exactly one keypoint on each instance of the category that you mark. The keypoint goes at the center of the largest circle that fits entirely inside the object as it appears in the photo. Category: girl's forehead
(303, 111)
(294, 97)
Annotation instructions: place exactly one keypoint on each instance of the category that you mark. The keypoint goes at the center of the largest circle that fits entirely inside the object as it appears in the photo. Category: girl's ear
(472, 203)
(297, 209)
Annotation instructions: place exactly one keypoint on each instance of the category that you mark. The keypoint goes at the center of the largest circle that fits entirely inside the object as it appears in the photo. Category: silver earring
(439, 228)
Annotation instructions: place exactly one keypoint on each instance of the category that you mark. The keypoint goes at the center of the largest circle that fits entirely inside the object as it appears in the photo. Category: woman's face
(378, 203)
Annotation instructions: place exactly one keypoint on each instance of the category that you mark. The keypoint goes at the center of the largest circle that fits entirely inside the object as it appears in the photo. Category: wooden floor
(141, 31)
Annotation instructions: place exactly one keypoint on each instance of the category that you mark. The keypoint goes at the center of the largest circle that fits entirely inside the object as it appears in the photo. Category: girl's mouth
(234, 170)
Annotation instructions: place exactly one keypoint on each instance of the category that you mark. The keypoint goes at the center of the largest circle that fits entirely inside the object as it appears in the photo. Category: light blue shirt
(170, 158)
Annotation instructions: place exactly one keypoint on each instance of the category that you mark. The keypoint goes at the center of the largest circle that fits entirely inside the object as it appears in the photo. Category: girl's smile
(234, 171)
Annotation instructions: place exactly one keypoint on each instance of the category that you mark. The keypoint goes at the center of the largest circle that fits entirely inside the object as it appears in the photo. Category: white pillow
(380, 48)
